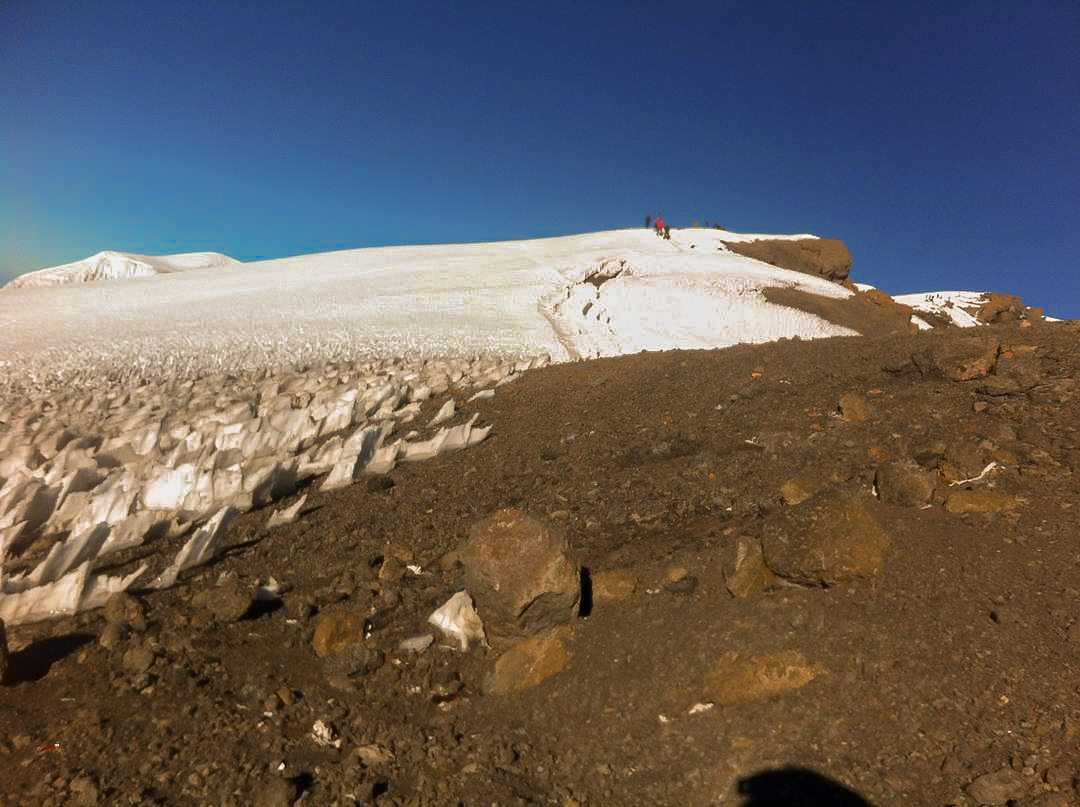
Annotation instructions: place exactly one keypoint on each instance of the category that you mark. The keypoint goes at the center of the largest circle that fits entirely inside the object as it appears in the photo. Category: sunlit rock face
(93, 472)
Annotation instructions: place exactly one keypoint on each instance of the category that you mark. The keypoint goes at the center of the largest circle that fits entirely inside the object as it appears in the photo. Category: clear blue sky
(939, 140)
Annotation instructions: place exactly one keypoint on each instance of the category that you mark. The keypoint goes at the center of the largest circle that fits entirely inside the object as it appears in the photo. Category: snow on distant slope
(109, 265)
(596, 294)
(957, 307)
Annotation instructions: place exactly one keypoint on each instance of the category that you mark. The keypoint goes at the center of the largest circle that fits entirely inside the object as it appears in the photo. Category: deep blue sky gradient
(939, 140)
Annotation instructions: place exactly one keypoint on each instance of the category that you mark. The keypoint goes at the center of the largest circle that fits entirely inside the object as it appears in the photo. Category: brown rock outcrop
(825, 257)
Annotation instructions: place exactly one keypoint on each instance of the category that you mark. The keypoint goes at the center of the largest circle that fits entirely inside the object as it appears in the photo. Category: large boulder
(825, 257)
(834, 537)
(961, 358)
(521, 574)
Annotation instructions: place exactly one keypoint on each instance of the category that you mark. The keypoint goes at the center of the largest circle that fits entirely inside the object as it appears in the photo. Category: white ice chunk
(446, 411)
(478, 435)
(60, 598)
(459, 437)
(343, 473)
(424, 450)
(288, 515)
(130, 532)
(483, 395)
(384, 459)
(203, 546)
(66, 555)
(99, 588)
(457, 618)
(8, 537)
(167, 489)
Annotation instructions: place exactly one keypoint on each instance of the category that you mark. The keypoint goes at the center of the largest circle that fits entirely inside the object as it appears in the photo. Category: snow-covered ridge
(509, 300)
(109, 265)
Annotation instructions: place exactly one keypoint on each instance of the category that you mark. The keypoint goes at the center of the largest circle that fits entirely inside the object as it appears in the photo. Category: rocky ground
(833, 572)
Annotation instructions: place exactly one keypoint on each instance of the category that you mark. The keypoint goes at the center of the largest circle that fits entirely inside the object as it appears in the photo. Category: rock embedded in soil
(979, 501)
(854, 407)
(833, 538)
(960, 359)
(745, 572)
(521, 574)
(736, 678)
(997, 788)
(614, 585)
(527, 664)
(905, 483)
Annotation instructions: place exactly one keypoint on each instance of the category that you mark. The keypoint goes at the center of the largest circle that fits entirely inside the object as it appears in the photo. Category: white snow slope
(596, 294)
(110, 265)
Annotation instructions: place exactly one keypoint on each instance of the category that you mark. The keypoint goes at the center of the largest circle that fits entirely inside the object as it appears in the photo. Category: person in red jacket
(659, 225)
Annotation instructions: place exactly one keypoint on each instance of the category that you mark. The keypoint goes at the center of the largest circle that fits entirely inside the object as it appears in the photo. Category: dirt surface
(900, 636)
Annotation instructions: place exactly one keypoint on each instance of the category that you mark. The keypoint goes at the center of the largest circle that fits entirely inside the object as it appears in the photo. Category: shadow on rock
(796, 787)
(34, 661)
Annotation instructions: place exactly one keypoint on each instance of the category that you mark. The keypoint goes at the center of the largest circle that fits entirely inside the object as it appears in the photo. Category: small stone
(126, 609)
(674, 574)
(111, 636)
(353, 660)
(997, 788)
(795, 491)
(138, 659)
(960, 358)
(337, 630)
(85, 791)
(905, 483)
(228, 602)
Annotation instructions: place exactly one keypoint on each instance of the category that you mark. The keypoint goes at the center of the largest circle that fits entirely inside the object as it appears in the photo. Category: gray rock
(997, 788)
(520, 573)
